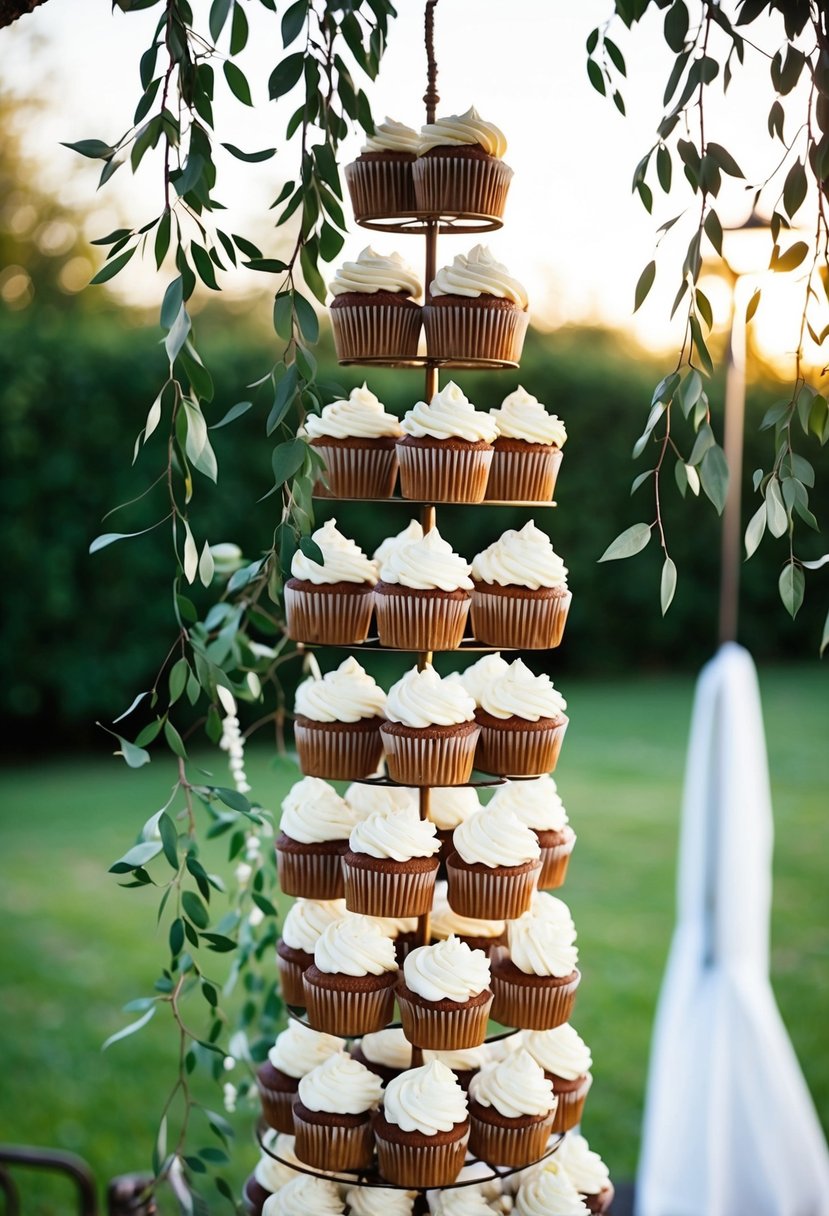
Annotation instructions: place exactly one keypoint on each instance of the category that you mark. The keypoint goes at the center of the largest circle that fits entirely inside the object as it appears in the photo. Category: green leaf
(195, 909)
(713, 230)
(754, 531)
(753, 304)
(676, 26)
(267, 265)
(94, 149)
(219, 943)
(700, 346)
(794, 189)
(237, 82)
(824, 642)
(204, 265)
(109, 538)
(312, 550)
(724, 159)
(667, 584)
(308, 321)
(776, 516)
(112, 268)
(179, 674)
(644, 285)
(713, 475)
(175, 937)
(131, 1029)
(235, 411)
(792, 585)
(219, 12)
(783, 262)
(238, 30)
(287, 457)
(173, 299)
(312, 276)
(681, 476)
(615, 56)
(704, 440)
(633, 540)
(596, 77)
(293, 20)
(137, 856)
(252, 158)
(233, 799)
(174, 740)
(640, 480)
(177, 336)
(664, 168)
(285, 75)
(169, 839)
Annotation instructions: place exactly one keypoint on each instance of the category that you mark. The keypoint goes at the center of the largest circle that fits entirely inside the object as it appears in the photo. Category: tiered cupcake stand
(430, 226)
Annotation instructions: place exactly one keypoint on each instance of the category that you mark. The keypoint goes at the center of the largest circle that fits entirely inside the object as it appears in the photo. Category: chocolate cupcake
(493, 871)
(423, 595)
(478, 934)
(314, 829)
(372, 314)
(380, 181)
(386, 1053)
(475, 311)
(269, 1175)
(380, 1201)
(337, 723)
(333, 1114)
(296, 1051)
(422, 1129)
(548, 1189)
(587, 1172)
(446, 450)
(520, 597)
(304, 1195)
(330, 602)
(566, 1060)
(444, 996)
(303, 923)
(390, 865)
(356, 439)
(537, 804)
(459, 169)
(448, 806)
(349, 987)
(430, 735)
(522, 722)
(464, 1062)
(511, 1110)
(536, 978)
(527, 452)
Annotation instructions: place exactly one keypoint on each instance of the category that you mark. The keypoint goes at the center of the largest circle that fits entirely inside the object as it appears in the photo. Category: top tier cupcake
(373, 314)
(476, 310)
(380, 180)
(459, 169)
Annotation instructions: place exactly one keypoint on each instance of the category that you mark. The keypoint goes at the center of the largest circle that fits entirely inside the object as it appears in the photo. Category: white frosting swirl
(495, 838)
(541, 946)
(478, 675)
(522, 416)
(551, 908)
(585, 1169)
(515, 1086)
(379, 1201)
(306, 920)
(365, 798)
(396, 835)
(313, 812)
(548, 1189)
(347, 694)
(303, 1195)
(393, 926)
(561, 1051)
(449, 415)
(521, 558)
(393, 136)
(412, 531)
(341, 1085)
(298, 1049)
(390, 1048)
(475, 274)
(518, 693)
(463, 1201)
(445, 920)
(459, 129)
(422, 698)
(536, 803)
(360, 416)
(272, 1174)
(449, 970)
(426, 564)
(343, 560)
(449, 805)
(373, 272)
(462, 1060)
(426, 1099)
(354, 945)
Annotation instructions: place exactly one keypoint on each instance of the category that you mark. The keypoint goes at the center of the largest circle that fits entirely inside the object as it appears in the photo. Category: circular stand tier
(467, 646)
(428, 361)
(416, 223)
(298, 1013)
(421, 502)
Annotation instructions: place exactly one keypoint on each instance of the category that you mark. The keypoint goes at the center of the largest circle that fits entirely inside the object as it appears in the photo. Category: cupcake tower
(412, 896)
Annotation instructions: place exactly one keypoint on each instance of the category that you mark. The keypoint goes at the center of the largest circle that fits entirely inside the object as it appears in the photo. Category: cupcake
(522, 722)
(511, 1111)
(464, 1062)
(367, 798)
(536, 979)
(313, 836)
(449, 806)
(444, 996)
(386, 1053)
(356, 439)
(549, 1189)
(301, 927)
(459, 169)
(477, 676)
(494, 869)
(566, 1060)
(390, 866)
(380, 180)
(372, 314)
(527, 451)
(349, 987)
(333, 1114)
(430, 735)
(296, 1051)
(304, 1195)
(330, 603)
(422, 1129)
(464, 1201)
(422, 598)
(446, 449)
(520, 596)
(475, 311)
(337, 723)
(380, 1201)
(412, 531)
(270, 1175)
(478, 934)
(537, 804)
(587, 1172)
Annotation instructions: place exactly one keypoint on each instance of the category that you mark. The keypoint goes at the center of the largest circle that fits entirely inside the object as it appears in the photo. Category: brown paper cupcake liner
(419, 1165)
(420, 760)
(290, 979)
(383, 893)
(443, 474)
(491, 896)
(534, 1005)
(327, 1146)
(310, 875)
(348, 1013)
(380, 188)
(456, 332)
(523, 476)
(412, 622)
(335, 618)
(600, 1203)
(520, 753)
(277, 1108)
(339, 755)
(368, 472)
(570, 1106)
(515, 1146)
(444, 1029)
(554, 862)
(457, 186)
(375, 331)
(253, 1196)
(521, 622)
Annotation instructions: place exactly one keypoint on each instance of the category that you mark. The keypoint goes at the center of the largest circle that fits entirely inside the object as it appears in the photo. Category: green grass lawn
(75, 948)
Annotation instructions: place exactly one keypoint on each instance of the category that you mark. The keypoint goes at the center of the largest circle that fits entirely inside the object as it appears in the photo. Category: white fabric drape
(729, 1127)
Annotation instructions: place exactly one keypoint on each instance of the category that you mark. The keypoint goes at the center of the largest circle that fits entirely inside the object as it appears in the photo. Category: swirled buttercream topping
(449, 805)
(365, 799)
(427, 564)
(341, 1085)
(299, 1049)
(306, 920)
(347, 694)
(421, 699)
(448, 970)
(561, 1051)
(585, 1169)
(463, 1060)
(522, 416)
(515, 1086)
(343, 560)
(475, 274)
(445, 921)
(373, 272)
(521, 558)
(465, 1201)
(547, 1190)
(272, 1174)
(393, 926)
(478, 675)
(360, 416)
(426, 1099)
(459, 129)
(449, 415)
(379, 1201)
(412, 531)
(390, 1048)
(354, 945)
(303, 1195)
(549, 907)
(535, 802)
(539, 946)
(521, 694)
(396, 835)
(313, 812)
(393, 136)
(495, 838)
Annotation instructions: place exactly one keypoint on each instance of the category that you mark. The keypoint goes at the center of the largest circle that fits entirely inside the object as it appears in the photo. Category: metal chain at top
(431, 97)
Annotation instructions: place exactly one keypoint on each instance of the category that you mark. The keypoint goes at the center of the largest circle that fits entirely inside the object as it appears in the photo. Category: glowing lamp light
(747, 247)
